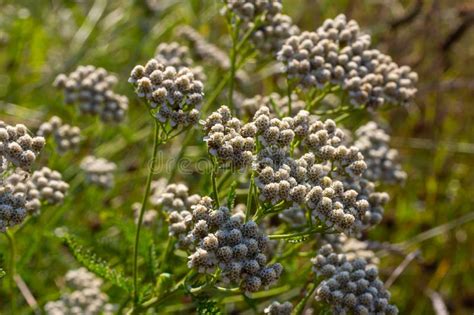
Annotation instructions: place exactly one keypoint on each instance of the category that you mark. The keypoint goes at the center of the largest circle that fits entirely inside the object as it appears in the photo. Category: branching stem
(156, 143)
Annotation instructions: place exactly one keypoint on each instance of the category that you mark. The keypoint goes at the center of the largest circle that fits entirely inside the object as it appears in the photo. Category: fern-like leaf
(206, 306)
(96, 265)
(231, 196)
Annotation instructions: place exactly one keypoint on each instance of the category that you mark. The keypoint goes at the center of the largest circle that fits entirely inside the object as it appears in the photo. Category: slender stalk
(11, 269)
(156, 143)
(304, 233)
(300, 307)
(155, 301)
(289, 91)
(214, 183)
(249, 197)
(186, 142)
(233, 59)
(164, 257)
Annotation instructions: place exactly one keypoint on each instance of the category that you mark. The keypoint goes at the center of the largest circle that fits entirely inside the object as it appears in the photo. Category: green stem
(154, 301)
(233, 59)
(311, 287)
(11, 269)
(291, 235)
(186, 142)
(289, 91)
(156, 143)
(214, 183)
(249, 197)
(168, 250)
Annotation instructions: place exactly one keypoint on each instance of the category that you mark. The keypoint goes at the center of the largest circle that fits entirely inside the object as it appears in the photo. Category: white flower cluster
(67, 137)
(277, 308)
(175, 95)
(274, 32)
(12, 207)
(302, 162)
(339, 53)
(249, 10)
(178, 56)
(92, 89)
(174, 197)
(275, 102)
(84, 298)
(18, 147)
(218, 238)
(273, 27)
(207, 52)
(229, 140)
(352, 248)
(315, 179)
(382, 161)
(350, 286)
(203, 49)
(99, 171)
(44, 185)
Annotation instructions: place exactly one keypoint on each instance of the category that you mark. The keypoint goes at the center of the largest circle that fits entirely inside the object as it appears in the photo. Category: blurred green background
(40, 39)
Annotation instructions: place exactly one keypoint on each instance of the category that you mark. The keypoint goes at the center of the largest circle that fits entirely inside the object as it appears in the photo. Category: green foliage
(231, 195)
(207, 306)
(94, 264)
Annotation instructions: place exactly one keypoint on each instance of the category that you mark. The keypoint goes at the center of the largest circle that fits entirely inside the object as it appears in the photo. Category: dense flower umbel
(277, 104)
(203, 49)
(84, 297)
(99, 171)
(174, 95)
(320, 173)
(382, 161)
(274, 32)
(351, 247)
(218, 238)
(273, 28)
(66, 137)
(174, 197)
(92, 89)
(350, 286)
(12, 207)
(43, 186)
(229, 140)
(18, 147)
(312, 180)
(250, 10)
(339, 53)
(277, 308)
(207, 52)
(178, 56)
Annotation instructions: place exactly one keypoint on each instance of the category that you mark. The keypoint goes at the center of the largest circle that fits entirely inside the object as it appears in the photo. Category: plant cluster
(285, 175)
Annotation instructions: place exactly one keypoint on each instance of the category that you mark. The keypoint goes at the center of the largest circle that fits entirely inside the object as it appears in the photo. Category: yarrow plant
(99, 171)
(173, 95)
(287, 186)
(23, 191)
(85, 296)
(67, 137)
(339, 54)
(91, 89)
(305, 179)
